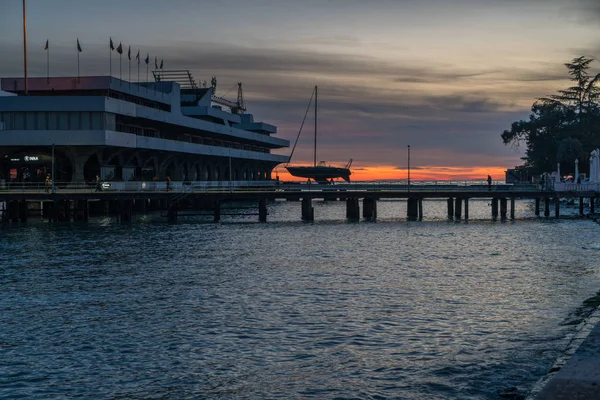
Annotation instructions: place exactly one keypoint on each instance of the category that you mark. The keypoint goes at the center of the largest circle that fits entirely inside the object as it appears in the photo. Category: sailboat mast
(315, 153)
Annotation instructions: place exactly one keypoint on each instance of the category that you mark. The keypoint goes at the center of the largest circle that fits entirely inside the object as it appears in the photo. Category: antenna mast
(315, 156)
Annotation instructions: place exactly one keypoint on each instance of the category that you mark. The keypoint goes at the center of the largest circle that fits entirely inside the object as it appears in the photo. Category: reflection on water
(392, 309)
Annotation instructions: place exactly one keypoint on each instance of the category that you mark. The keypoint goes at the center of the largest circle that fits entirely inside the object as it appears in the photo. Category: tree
(562, 127)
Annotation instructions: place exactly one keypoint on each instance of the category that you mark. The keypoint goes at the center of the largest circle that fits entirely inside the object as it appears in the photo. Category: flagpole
(110, 58)
(48, 65)
(120, 68)
(78, 65)
(25, 48)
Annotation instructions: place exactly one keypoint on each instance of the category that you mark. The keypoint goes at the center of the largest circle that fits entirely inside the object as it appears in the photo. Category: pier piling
(369, 208)
(503, 208)
(537, 206)
(412, 209)
(217, 211)
(352, 208)
(308, 211)
(466, 208)
(494, 208)
(546, 206)
(556, 207)
(457, 208)
(262, 210)
(592, 210)
(581, 206)
(450, 208)
(512, 208)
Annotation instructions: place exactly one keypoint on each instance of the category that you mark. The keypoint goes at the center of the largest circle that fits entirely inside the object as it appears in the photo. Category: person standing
(489, 181)
(48, 182)
(168, 183)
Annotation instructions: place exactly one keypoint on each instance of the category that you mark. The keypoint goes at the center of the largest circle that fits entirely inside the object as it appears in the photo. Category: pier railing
(254, 186)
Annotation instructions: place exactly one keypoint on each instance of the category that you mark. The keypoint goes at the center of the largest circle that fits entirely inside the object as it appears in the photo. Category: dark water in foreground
(430, 310)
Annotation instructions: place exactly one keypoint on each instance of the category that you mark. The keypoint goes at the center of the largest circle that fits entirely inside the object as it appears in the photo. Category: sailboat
(321, 172)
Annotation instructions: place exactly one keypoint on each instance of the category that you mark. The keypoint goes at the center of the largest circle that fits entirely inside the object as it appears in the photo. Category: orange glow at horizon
(389, 172)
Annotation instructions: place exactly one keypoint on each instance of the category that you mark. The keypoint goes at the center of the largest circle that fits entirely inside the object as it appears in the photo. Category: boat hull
(320, 174)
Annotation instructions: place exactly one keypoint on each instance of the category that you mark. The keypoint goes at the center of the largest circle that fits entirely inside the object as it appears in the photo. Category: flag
(120, 49)
(46, 47)
(155, 63)
(129, 53)
(112, 46)
(78, 46)
(138, 57)
(161, 64)
(147, 60)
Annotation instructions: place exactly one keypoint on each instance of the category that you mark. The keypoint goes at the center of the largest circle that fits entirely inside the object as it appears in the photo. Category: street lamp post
(409, 167)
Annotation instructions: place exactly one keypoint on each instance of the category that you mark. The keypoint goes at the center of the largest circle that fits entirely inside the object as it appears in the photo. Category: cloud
(366, 111)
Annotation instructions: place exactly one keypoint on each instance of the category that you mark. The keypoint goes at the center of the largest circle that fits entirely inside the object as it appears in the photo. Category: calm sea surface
(242, 310)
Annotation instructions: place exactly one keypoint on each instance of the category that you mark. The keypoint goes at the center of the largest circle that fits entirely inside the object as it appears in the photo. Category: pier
(126, 199)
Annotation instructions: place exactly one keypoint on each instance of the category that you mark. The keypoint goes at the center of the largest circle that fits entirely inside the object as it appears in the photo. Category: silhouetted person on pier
(98, 184)
(168, 183)
(48, 182)
(489, 180)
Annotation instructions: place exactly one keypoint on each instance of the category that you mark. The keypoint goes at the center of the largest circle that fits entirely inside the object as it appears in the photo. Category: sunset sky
(445, 77)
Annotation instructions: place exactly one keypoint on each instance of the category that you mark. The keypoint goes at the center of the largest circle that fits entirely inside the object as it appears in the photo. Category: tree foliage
(562, 127)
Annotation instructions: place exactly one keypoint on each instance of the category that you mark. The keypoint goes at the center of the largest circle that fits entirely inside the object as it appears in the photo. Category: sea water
(390, 309)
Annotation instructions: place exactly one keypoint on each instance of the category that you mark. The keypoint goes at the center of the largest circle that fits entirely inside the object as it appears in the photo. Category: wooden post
(466, 209)
(450, 208)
